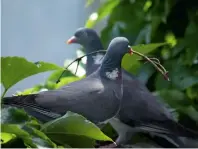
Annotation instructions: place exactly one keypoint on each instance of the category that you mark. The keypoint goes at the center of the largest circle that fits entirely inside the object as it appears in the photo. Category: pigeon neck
(95, 60)
(111, 68)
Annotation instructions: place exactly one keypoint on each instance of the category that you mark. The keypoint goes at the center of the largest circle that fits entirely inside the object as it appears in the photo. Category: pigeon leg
(124, 132)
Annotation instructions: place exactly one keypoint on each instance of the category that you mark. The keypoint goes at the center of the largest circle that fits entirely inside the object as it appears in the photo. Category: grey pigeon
(139, 109)
(96, 97)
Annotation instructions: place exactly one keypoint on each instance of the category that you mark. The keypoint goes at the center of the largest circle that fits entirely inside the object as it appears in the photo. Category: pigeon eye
(129, 47)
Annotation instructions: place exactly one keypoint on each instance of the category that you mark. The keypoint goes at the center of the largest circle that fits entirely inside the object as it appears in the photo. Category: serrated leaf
(103, 11)
(74, 124)
(15, 69)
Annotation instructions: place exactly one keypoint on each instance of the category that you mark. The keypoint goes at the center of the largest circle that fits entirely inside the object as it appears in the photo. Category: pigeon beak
(73, 39)
(130, 50)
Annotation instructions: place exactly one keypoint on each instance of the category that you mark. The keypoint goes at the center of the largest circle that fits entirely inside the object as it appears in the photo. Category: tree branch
(154, 61)
(78, 60)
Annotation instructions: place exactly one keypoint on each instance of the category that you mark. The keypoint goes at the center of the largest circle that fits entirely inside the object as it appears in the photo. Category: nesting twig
(78, 60)
(77, 66)
(154, 61)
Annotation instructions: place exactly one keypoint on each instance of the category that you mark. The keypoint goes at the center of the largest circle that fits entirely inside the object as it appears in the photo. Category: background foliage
(142, 22)
(151, 21)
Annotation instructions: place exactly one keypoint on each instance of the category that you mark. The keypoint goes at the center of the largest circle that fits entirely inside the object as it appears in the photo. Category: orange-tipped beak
(72, 40)
(130, 51)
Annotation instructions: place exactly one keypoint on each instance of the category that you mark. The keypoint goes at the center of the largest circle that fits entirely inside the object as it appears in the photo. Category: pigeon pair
(97, 97)
(140, 110)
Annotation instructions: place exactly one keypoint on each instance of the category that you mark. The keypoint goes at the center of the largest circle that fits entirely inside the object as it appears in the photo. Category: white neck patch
(113, 75)
(98, 58)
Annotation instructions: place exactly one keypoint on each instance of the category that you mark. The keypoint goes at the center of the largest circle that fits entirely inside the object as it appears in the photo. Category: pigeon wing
(88, 97)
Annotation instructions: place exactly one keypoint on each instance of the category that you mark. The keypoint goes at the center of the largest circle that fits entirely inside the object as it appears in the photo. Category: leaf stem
(4, 92)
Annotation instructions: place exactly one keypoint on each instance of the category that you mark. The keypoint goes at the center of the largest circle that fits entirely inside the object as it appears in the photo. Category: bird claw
(112, 145)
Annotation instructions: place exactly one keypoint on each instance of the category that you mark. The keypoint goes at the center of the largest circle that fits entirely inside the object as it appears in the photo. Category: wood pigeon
(139, 108)
(97, 97)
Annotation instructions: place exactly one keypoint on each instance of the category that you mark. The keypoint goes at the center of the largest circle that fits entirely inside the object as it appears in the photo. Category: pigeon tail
(167, 127)
(27, 102)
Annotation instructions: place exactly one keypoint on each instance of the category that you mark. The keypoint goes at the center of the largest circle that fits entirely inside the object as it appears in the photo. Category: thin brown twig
(162, 67)
(154, 61)
(157, 62)
(152, 58)
(163, 72)
(78, 59)
(78, 62)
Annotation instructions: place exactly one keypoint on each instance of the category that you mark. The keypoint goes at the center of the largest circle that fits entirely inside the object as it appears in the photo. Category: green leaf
(12, 115)
(67, 80)
(181, 77)
(15, 69)
(106, 8)
(30, 136)
(73, 124)
(192, 92)
(145, 72)
(38, 137)
(130, 62)
(56, 74)
(6, 137)
(174, 98)
(67, 77)
(32, 90)
(191, 112)
(178, 100)
(191, 51)
(16, 130)
(179, 47)
(16, 121)
(74, 141)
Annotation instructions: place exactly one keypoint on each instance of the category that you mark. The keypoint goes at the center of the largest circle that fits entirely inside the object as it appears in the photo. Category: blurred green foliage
(143, 22)
(154, 21)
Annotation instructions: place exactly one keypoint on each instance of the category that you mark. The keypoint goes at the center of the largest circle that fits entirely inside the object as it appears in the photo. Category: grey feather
(91, 94)
(97, 97)
(139, 108)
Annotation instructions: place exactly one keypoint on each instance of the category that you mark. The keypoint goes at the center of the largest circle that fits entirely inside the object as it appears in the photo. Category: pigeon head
(118, 47)
(88, 38)
(111, 65)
